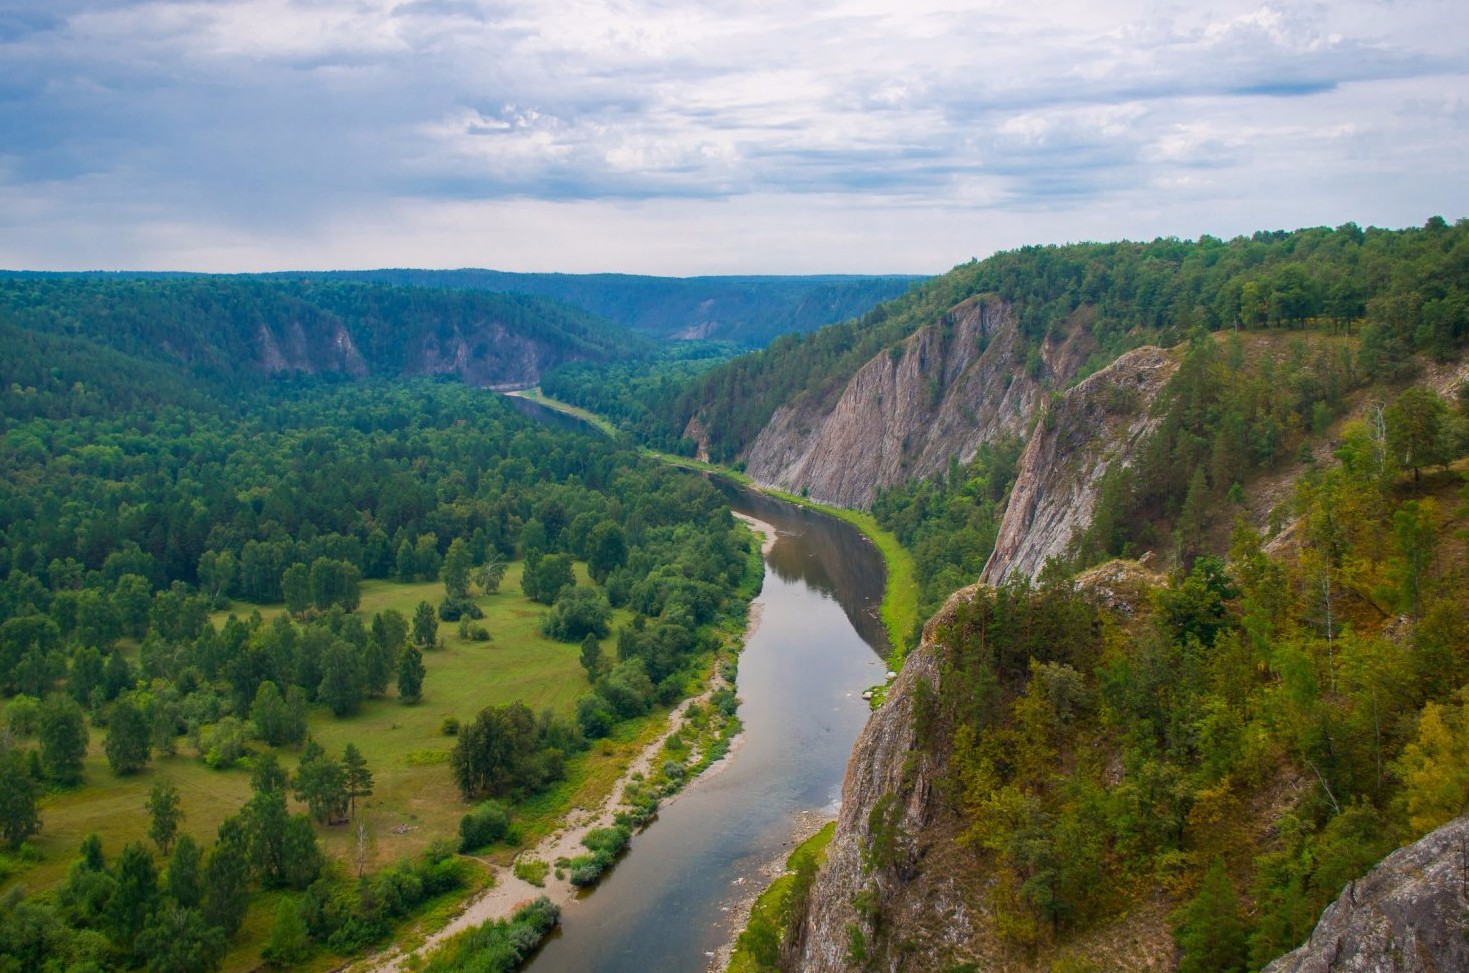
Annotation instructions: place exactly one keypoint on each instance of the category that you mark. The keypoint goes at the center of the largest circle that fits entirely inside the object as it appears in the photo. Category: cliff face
(946, 389)
(888, 783)
(1084, 432)
(1410, 914)
(483, 352)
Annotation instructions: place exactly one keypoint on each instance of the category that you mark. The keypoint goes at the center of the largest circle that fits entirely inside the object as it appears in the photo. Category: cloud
(244, 119)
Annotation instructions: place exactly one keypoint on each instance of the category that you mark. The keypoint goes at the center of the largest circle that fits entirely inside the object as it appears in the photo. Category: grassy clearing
(414, 800)
(769, 909)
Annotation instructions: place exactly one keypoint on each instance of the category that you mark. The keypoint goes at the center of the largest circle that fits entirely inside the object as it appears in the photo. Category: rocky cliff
(1084, 432)
(940, 393)
(888, 785)
(1410, 914)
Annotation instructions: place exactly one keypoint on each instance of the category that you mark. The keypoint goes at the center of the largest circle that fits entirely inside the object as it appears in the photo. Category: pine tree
(1210, 935)
(359, 778)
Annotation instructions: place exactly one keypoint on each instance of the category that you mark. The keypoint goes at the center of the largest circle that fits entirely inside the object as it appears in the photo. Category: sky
(718, 137)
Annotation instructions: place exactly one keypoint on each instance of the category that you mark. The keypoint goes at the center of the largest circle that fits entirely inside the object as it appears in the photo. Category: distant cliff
(228, 329)
(955, 383)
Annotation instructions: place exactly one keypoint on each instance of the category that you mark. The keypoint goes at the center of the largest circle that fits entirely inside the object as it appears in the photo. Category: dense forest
(745, 311)
(124, 536)
(1241, 741)
(1401, 291)
(96, 342)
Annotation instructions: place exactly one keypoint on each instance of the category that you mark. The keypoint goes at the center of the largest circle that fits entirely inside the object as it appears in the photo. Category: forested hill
(96, 342)
(1404, 289)
(748, 311)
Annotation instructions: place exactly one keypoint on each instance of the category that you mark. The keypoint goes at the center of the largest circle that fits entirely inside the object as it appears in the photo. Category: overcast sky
(676, 137)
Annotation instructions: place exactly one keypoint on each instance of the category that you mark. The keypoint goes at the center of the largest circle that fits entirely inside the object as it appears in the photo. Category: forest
(232, 585)
(1399, 291)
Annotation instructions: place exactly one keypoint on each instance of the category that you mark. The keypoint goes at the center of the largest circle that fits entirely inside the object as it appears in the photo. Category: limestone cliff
(1083, 433)
(889, 776)
(1410, 914)
(939, 394)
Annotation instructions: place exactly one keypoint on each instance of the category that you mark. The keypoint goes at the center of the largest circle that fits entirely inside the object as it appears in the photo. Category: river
(673, 900)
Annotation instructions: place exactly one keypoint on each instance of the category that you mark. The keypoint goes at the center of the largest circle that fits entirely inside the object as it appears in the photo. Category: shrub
(450, 726)
(488, 823)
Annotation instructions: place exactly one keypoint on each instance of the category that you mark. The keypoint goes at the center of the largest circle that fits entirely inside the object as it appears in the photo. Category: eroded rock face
(1099, 423)
(948, 388)
(886, 766)
(1410, 914)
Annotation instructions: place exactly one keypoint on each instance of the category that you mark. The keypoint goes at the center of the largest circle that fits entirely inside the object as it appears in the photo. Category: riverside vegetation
(308, 591)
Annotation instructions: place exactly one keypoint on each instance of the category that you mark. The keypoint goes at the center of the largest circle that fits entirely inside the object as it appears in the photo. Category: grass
(540, 398)
(769, 908)
(415, 799)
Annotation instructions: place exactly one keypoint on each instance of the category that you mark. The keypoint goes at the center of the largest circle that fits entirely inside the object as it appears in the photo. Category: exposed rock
(946, 389)
(1410, 914)
(1085, 432)
(1121, 586)
(884, 762)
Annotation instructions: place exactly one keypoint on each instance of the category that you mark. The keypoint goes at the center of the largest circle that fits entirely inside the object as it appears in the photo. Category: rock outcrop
(1084, 432)
(1410, 914)
(943, 391)
(890, 775)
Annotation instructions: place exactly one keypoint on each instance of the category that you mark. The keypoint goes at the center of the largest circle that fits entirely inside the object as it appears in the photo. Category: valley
(1173, 539)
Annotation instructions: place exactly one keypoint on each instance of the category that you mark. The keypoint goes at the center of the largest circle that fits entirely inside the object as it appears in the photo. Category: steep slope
(748, 311)
(231, 329)
(1085, 432)
(1410, 914)
(938, 394)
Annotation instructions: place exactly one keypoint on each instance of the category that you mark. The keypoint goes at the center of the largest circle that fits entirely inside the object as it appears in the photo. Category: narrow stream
(672, 901)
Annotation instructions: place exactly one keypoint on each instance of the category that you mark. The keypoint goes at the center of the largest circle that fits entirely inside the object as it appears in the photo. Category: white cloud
(829, 135)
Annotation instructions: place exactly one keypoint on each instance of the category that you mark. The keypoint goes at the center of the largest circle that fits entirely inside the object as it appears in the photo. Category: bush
(452, 609)
(486, 824)
(531, 870)
(450, 726)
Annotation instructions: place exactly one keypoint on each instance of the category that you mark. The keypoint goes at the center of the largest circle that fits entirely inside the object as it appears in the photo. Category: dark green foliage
(184, 879)
(950, 522)
(18, 816)
(507, 750)
(579, 612)
(127, 740)
(425, 626)
(341, 678)
(63, 739)
(486, 824)
(358, 776)
(321, 783)
(497, 946)
(227, 877)
(410, 674)
(1417, 434)
(288, 943)
(591, 657)
(1210, 934)
(132, 904)
(546, 575)
(179, 940)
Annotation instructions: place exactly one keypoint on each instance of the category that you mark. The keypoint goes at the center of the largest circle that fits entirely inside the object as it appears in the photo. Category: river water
(672, 901)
